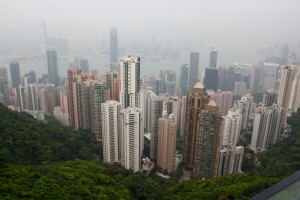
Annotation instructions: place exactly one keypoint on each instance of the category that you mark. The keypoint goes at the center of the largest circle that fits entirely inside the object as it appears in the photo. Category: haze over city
(241, 31)
(149, 99)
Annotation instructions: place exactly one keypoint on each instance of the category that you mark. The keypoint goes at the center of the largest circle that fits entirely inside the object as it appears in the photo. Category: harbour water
(101, 63)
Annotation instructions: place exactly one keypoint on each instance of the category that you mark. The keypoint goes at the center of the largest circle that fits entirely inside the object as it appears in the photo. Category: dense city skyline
(194, 114)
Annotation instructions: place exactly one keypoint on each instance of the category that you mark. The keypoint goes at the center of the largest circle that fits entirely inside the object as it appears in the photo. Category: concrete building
(32, 94)
(170, 82)
(266, 127)
(231, 158)
(184, 79)
(112, 80)
(15, 74)
(99, 95)
(285, 90)
(232, 127)
(246, 107)
(213, 59)
(211, 79)
(21, 97)
(270, 97)
(130, 82)
(131, 138)
(111, 131)
(84, 65)
(72, 105)
(196, 101)
(151, 108)
(166, 142)
(194, 69)
(114, 50)
(240, 88)
(208, 142)
(3, 73)
(61, 116)
(47, 98)
(4, 92)
(182, 116)
(256, 80)
(53, 67)
(269, 72)
(295, 94)
(222, 73)
(224, 100)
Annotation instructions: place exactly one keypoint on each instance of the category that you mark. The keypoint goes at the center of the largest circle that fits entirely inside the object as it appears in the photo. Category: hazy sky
(228, 25)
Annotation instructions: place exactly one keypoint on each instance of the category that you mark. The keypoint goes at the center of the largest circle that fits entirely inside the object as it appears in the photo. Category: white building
(61, 116)
(110, 131)
(182, 116)
(132, 138)
(224, 101)
(130, 82)
(269, 72)
(245, 106)
(266, 128)
(166, 142)
(231, 158)
(232, 127)
(288, 74)
(295, 95)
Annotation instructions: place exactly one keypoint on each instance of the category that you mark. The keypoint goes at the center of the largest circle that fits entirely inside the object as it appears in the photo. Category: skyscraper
(211, 80)
(32, 92)
(295, 95)
(255, 87)
(184, 79)
(193, 71)
(270, 97)
(53, 67)
(131, 138)
(285, 90)
(20, 93)
(47, 97)
(151, 108)
(130, 82)
(232, 127)
(196, 101)
(112, 80)
(245, 106)
(170, 82)
(111, 130)
(213, 59)
(231, 158)
(72, 73)
(208, 142)
(99, 95)
(114, 49)
(84, 65)
(266, 127)
(3, 73)
(4, 92)
(269, 72)
(182, 116)
(15, 74)
(224, 100)
(222, 73)
(166, 142)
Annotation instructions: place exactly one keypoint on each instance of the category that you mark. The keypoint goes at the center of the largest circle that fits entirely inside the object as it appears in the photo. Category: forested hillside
(44, 160)
(24, 140)
(283, 158)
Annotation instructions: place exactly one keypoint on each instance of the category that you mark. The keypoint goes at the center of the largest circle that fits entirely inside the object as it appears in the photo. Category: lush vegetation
(44, 160)
(24, 140)
(283, 158)
(92, 180)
